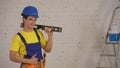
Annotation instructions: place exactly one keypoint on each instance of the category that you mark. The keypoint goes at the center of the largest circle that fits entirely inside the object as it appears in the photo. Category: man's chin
(31, 27)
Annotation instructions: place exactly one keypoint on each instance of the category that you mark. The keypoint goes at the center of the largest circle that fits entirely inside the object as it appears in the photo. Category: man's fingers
(48, 29)
(34, 55)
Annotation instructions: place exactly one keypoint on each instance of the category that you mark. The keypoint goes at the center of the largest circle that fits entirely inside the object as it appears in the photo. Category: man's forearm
(49, 45)
(19, 59)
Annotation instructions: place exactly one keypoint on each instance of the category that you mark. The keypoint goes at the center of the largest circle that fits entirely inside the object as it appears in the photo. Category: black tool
(54, 28)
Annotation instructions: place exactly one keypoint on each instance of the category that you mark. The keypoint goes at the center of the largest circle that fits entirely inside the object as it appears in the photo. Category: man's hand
(34, 60)
(49, 31)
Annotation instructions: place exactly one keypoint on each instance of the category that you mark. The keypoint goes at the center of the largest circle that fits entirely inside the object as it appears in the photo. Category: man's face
(29, 22)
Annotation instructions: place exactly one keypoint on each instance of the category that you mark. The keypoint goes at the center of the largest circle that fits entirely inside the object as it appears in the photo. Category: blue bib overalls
(32, 48)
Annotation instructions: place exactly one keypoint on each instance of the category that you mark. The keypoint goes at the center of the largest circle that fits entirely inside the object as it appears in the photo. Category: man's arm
(14, 57)
(49, 44)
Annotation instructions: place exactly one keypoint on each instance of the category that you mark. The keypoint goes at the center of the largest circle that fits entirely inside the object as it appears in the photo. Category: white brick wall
(78, 46)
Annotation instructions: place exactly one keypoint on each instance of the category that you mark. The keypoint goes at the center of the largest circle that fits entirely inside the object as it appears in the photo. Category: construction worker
(27, 43)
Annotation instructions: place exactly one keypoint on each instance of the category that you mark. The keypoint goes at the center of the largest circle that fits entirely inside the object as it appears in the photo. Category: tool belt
(38, 65)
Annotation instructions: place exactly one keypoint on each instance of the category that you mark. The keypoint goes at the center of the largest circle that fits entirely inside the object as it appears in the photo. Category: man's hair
(25, 16)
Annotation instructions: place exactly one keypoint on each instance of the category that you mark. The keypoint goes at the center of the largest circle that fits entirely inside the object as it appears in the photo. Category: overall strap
(37, 34)
(22, 38)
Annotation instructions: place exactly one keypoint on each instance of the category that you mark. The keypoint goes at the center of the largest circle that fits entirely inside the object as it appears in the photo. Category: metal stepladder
(115, 45)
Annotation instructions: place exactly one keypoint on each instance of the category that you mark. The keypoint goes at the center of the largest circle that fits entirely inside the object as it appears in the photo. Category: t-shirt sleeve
(42, 39)
(15, 44)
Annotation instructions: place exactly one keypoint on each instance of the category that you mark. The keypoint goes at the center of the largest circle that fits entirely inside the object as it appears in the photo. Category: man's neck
(27, 30)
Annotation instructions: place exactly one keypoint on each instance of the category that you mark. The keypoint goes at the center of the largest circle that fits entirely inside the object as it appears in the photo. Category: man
(27, 43)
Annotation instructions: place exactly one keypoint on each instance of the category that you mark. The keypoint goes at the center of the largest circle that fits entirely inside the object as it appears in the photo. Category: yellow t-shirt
(30, 37)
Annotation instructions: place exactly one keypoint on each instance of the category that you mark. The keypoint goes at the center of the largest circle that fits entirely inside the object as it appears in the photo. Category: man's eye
(30, 19)
(35, 19)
